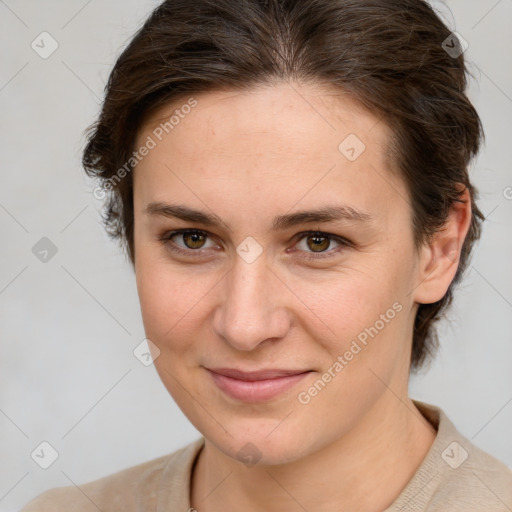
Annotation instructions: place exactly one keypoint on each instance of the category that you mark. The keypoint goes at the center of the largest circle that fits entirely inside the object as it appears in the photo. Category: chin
(261, 450)
(267, 441)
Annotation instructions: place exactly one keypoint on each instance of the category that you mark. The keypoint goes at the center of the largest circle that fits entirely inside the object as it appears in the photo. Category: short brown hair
(390, 56)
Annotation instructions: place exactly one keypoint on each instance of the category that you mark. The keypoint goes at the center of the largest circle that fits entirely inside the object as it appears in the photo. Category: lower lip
(256, 391)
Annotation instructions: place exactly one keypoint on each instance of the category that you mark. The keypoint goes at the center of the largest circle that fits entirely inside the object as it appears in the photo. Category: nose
(252, 309)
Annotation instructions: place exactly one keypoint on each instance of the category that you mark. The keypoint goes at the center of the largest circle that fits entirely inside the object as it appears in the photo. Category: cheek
(367, 347)
(366, 315)
(170, 300)
(351, 302)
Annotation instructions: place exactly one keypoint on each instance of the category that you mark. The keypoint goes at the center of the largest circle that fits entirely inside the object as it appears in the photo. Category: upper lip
(255, 375)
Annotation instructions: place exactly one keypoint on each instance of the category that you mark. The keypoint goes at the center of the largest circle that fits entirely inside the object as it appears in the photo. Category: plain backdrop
(68, 375)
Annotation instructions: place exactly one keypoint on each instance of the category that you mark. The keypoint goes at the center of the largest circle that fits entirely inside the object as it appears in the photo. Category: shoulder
(456, 475)
(474, 478)
(136, 488)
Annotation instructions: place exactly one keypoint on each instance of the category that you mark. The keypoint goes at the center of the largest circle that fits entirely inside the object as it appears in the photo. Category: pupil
(318, 241)
(195, 239)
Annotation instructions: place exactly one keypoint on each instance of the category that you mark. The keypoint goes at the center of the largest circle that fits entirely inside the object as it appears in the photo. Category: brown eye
(318, 243)
(193, 240)
(187, 241)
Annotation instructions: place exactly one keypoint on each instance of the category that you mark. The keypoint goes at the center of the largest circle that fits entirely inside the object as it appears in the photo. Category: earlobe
(439, 259)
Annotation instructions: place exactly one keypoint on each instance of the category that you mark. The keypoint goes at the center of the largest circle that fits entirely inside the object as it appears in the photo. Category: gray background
(68, 326)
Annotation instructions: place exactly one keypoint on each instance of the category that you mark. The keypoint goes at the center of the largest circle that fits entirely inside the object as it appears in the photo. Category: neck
(364, 470)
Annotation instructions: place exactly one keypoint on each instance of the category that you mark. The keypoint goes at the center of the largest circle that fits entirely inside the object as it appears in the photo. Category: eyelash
(166, 240)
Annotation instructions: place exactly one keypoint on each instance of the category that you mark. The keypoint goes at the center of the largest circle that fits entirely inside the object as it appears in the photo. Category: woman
(289, 179)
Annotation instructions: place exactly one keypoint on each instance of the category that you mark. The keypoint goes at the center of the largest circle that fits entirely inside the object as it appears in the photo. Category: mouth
(255, 386)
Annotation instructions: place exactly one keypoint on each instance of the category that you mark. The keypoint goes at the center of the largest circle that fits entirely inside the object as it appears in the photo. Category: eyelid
(166, 239)
(344, 243)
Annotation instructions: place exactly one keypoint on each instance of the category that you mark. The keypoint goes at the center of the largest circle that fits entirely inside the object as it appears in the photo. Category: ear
(439, 259)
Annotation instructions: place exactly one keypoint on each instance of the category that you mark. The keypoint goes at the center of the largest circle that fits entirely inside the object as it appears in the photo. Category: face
(277, 330)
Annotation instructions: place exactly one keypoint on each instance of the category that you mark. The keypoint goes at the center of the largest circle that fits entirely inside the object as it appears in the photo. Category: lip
(255, 386)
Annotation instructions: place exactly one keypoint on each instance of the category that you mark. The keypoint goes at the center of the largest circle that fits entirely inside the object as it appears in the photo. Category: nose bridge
(249, 313)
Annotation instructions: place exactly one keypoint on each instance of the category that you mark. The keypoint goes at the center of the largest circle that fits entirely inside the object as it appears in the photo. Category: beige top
(454, 476)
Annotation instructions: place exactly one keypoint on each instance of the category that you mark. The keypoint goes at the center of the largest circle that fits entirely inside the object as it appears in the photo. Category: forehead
(279, 143)
(280, 111)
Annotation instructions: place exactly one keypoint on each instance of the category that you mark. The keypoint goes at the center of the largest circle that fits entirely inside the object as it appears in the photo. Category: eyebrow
(281, 222)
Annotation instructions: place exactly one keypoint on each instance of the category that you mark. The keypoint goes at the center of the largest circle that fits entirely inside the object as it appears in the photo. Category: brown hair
(391, 56)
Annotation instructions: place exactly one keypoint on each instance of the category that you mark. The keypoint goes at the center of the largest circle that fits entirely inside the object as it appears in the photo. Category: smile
(255, 387)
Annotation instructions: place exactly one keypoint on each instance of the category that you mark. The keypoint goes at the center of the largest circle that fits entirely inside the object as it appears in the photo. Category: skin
(248, 157)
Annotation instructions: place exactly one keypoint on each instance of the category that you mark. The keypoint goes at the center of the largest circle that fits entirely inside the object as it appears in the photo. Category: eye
(192, 240)
(316, 243)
